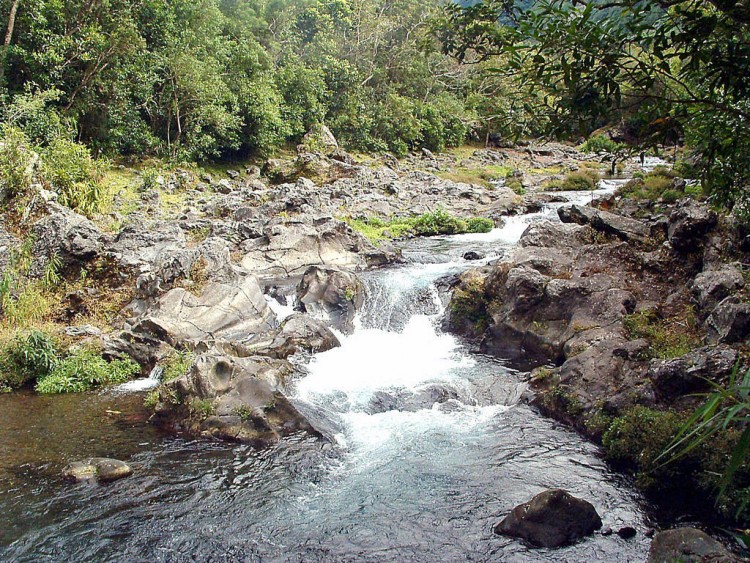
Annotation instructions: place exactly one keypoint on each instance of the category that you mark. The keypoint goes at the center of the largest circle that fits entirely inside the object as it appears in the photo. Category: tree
(676, 64)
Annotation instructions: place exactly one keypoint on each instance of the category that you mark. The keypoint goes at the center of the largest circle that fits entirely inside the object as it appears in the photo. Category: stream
(429, 449)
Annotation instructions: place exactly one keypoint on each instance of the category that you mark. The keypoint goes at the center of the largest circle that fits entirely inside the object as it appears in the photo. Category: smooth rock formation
(551, 519)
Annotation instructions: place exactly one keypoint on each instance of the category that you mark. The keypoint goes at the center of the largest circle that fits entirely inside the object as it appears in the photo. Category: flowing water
(429, 448)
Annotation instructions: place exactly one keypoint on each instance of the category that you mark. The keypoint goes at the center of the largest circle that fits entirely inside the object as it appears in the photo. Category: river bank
(358, 367)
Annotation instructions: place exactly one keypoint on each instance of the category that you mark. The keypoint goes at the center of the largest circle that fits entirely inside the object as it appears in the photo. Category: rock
(289, 249)
(298, 333)
(236, 399)
(233, 174)
(627, 532)
(8, 243)
(71, 236)
(253, 172)
(688, 374)
(551, 519)
(623, 227)
(688, 224)
(320, 138)
(687, 545)
(97, 469)
(710, 288)
(224, 186)
(546, 234)
(473, 255)
(332, 294)
(729, 322)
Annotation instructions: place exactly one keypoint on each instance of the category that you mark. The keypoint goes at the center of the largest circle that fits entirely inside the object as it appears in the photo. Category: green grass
(176, 364)
(582, 180)
(85, 369)
(428, 224)
(483, 176)
(667, 338)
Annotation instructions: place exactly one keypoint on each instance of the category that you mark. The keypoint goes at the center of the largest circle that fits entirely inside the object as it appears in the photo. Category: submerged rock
(551, 519)
(687, 545)
(97, 469)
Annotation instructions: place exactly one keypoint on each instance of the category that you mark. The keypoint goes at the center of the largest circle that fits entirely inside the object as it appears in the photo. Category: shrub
(636, 440)
(16, 162)
(600, 143)
(479, 225)
(27, 357)
(85, 369)
(438, 222)
(584, 180)
(176, 364)
(74, 175)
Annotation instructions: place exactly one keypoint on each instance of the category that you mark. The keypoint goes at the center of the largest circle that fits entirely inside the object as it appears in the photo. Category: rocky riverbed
(213, 285)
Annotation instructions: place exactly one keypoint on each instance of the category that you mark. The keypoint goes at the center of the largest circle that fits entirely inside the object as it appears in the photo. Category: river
(429, 448)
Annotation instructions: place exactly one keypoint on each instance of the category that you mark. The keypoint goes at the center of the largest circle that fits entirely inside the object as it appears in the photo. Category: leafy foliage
(85, 369)
(27, 357)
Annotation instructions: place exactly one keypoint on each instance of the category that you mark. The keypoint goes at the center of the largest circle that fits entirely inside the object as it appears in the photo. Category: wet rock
(97, 469)
(688, 374)
(298, 333)
(551, 519)
(332, 294)
(688, 224)
(687, 545)
(473, 255)
(712, 287)
(236, 399)
(729, 322)
(627, 532)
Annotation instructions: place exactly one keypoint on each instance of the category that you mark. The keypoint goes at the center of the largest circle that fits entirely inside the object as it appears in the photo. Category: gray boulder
(712, 287)
(223, 311)
(623, 227)
(332, 294)
(688, 545)
(689, 223)
(72, 237)
(688, 374)
(730, 321)
(236, 399)
(551, 519)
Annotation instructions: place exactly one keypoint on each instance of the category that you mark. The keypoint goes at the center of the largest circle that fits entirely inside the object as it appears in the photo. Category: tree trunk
(8, 38)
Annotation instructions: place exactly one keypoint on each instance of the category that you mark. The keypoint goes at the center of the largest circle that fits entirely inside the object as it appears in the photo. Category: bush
(657, 184)
(85, 369)
(600, 143)
(28, 357)
(176, 364)
(479, 225)
(584, 180)
(16, 162)
(74, 175)
(438, 222)
(638, 437)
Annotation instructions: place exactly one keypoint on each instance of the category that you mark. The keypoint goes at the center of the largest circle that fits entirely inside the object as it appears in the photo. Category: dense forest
(215, 78)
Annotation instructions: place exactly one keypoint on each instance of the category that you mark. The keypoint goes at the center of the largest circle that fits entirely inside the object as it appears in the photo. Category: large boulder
(332, 294)
(551, 519)
(223, 311)
(70, 236)
(689, 373)
(711, 287)
(289, 249)
(8, 243)
(298, 333)
(623, 227)
(688, 545)
(729, 322)
(688, 225)
(236, 399)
